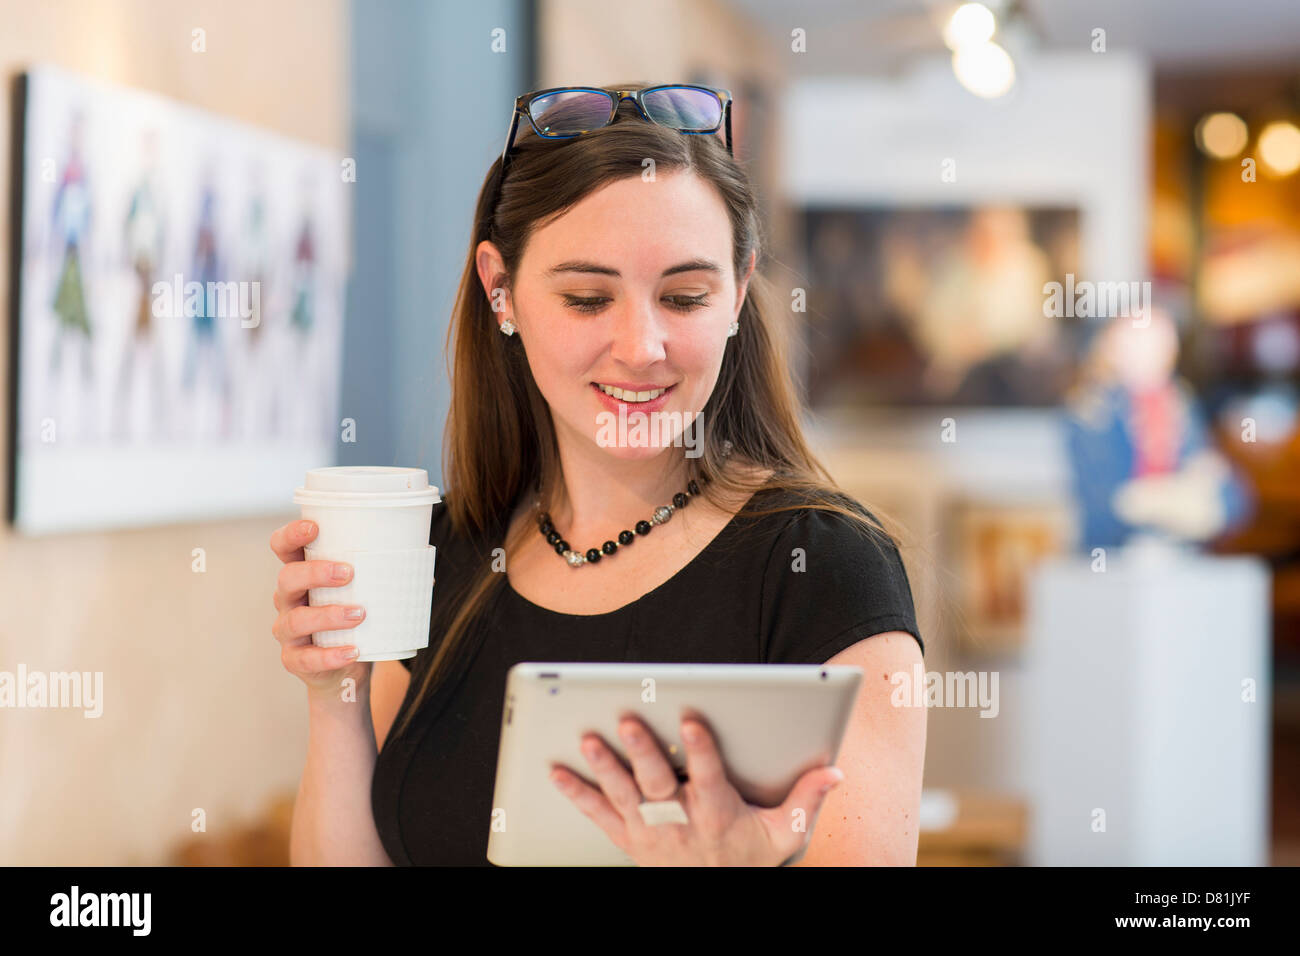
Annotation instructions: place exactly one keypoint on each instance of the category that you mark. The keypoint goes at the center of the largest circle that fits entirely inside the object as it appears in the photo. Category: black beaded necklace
(661, 514)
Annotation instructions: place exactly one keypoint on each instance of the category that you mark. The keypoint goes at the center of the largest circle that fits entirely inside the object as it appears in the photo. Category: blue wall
(430, 107)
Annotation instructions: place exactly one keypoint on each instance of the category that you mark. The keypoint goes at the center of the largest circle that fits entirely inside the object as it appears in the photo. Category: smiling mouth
(632, 397)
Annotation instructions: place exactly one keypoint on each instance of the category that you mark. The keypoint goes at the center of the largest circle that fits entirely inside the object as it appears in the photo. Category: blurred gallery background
(1043, 260)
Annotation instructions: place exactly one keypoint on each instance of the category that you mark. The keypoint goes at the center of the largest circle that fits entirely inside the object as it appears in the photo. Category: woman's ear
(491, 270)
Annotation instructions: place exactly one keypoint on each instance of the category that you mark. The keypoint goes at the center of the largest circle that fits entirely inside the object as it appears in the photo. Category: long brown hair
(499, 442)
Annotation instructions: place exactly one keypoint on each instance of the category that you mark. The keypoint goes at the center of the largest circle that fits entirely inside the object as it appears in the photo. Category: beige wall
(198, 712)
(592, 41)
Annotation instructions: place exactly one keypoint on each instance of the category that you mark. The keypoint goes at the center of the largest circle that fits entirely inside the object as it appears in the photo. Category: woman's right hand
(322, 669)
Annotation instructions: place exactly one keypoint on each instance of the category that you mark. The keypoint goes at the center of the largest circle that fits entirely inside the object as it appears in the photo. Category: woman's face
(633, 287)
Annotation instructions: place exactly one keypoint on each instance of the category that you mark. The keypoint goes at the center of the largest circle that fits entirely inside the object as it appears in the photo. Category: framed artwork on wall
(994, 548)
(179, 282)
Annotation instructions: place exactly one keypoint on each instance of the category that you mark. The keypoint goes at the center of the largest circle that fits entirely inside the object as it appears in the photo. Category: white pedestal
(1135, 708)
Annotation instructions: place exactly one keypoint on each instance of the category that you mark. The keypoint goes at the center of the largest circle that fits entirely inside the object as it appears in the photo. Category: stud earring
(733, 329)
(508, 327)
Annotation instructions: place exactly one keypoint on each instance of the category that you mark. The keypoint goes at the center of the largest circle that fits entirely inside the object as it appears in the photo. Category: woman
(620, 258)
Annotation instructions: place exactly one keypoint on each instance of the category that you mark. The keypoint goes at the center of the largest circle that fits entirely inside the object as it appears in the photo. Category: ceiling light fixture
(1221, 135)
(1279, 147)
(980, 65)
(969, 25)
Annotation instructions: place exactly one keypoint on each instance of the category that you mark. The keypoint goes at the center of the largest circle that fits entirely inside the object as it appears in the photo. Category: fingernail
(631, 736)
(354, 613)
(342, 572)
(351, 652)
(304, 527)
(690, 734)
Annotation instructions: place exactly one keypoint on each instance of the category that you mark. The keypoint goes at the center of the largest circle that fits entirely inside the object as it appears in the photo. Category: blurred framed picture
(178, 306)
(938, 305)
(995, 547)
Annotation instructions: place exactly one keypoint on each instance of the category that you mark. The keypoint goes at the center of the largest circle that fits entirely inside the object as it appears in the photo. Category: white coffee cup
(377, 520)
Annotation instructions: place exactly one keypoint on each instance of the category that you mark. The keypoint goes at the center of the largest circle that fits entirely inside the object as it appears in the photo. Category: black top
(748, 597)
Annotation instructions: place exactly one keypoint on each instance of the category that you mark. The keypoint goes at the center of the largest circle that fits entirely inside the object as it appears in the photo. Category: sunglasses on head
(564, 112)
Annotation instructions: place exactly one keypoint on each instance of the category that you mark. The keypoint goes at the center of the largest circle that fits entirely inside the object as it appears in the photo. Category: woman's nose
(638, 336)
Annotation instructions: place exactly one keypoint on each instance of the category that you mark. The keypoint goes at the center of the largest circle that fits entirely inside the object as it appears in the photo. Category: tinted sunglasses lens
(569, 113)
(684, 108)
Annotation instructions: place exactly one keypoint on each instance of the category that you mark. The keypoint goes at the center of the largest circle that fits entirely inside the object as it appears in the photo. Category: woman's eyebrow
(581, 265)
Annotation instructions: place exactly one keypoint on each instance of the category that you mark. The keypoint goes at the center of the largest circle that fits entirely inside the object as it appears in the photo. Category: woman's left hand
(721, 828)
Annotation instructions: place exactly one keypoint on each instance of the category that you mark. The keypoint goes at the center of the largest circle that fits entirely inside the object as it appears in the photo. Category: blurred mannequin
(1141, 455)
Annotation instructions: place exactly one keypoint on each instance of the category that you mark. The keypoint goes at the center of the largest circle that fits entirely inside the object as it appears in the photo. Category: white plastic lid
(369, 485)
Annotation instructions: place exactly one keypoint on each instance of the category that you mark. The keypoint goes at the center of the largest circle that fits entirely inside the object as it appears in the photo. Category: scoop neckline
(681, 572)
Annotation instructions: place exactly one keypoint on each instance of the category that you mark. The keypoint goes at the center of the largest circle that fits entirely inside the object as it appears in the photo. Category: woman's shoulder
(820, 517)
(782, 530)
(829, 523)
(831, 579)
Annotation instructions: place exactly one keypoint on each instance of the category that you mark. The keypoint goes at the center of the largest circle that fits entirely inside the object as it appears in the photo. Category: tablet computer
(773, 723)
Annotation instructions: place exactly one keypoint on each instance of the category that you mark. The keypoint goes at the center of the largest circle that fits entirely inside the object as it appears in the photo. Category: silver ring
(657, 812)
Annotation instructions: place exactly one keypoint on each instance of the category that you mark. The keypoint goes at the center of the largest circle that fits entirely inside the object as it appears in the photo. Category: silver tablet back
(773, 723)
